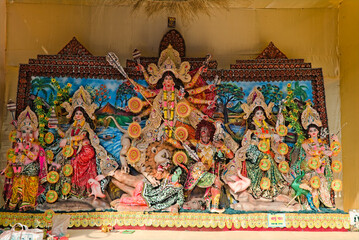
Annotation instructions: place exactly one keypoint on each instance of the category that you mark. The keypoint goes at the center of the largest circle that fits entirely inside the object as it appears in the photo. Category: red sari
(84, 165)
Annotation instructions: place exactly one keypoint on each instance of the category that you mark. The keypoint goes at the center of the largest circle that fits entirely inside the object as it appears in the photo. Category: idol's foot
(217, 210)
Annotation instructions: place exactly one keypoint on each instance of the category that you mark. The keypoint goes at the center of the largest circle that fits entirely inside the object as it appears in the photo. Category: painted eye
(154, 150)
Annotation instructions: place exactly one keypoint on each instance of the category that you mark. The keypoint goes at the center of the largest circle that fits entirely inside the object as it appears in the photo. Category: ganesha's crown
(256, 99)
(310, 116)
(169, 61)
(81, 98)
(30, 115)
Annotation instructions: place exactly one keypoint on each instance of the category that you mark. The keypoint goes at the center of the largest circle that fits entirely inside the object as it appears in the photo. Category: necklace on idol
(168, 105)
(264, 127)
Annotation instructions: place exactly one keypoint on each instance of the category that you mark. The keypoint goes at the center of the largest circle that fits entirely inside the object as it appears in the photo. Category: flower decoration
(292, 112)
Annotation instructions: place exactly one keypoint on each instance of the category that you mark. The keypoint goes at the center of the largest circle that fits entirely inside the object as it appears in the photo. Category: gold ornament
(310, 116)
(282, 130)
(12, 136)
(283, 148)
(133, 155)
(48, 215)
(134, 130)
(264, 145)
(10, 155)
(283, 167)
(337, 185)
(314, 163)
(135, 105)
(66, 188)
(53, 177)
(49, 137)
(315, 182)
(30, 115)
(181, 133)
(183, 109)
(265, 183)
(180, 158)
(49, 155)
(256, 99)
(335, 147)
(337, 166)
(51, 196)
(264, 164)
(169, 61)
(67, 170)
(81, 98)
(68, 151)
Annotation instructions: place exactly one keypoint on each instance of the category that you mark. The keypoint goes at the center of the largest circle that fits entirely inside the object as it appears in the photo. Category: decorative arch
(174, 38)
(74, 47)
(271, 52)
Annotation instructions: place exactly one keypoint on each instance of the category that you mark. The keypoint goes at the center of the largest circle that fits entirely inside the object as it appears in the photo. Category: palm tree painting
(42, 85)
(299, 91)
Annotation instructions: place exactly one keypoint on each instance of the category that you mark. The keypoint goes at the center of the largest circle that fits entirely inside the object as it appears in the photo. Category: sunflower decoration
(292, 112)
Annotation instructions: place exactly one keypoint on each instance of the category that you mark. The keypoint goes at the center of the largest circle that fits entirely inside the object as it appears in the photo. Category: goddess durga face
(168, 83)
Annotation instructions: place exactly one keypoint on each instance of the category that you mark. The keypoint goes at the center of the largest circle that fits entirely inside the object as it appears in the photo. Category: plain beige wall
(239, 33)
(349, 89)
(2, 62)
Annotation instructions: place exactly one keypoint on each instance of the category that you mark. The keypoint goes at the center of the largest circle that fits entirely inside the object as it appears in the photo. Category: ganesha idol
(27, 166)
(176, 108)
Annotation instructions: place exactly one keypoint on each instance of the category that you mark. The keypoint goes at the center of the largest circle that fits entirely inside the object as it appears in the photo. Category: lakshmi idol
(81, 147)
